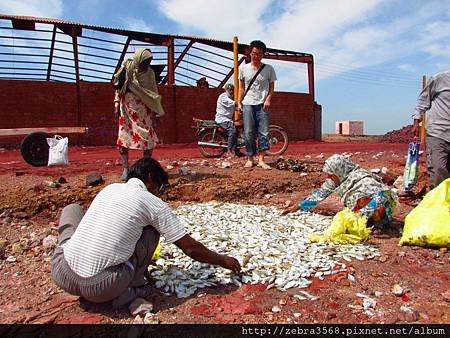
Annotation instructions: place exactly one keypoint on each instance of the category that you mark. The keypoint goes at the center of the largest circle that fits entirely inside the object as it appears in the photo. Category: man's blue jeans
(231, 132)
(256, 123)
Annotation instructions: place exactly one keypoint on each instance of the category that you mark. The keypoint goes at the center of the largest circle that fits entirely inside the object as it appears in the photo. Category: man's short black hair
(147, 169)
(258, 44)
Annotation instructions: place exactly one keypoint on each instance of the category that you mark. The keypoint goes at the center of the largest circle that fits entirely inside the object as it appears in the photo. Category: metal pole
(422, 129)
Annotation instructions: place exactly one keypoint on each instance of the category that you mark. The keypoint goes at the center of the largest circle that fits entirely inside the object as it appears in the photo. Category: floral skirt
(135, 124)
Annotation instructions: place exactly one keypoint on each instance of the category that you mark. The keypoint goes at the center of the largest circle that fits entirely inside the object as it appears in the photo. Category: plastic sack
(411, 171)
(347, 227)
(428, 224)
(59, 150)
(157, 252)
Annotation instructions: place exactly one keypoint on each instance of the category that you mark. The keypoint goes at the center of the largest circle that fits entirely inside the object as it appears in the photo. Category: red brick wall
(40, 104)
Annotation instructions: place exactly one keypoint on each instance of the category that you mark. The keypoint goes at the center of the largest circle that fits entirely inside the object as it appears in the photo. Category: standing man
(435, 100)
(104, 255)
(256, 87)
(224, 116)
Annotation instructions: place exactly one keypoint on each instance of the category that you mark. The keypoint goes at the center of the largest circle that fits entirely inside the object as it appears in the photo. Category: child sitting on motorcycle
(224, 116)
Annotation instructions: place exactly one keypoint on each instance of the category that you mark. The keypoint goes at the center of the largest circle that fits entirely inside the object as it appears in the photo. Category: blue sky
(370, 55)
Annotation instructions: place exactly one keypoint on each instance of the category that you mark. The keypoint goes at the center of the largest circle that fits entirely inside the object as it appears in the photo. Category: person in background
(358, 189)
(256, 103)
(104, 255)
(435, 101)
(137, 104)
(225, 116)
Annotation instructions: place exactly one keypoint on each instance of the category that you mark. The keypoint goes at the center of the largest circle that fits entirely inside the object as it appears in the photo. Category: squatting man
(104, 255)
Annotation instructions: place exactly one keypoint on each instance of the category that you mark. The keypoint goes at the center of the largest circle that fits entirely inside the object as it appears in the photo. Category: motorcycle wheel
(278, 141)
(211, 137)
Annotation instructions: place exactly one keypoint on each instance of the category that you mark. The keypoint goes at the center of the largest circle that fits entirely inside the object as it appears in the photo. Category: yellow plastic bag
(157, 252)
(428, 224)
(347, 227)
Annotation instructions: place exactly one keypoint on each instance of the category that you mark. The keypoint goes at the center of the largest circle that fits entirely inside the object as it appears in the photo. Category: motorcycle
(213, 139)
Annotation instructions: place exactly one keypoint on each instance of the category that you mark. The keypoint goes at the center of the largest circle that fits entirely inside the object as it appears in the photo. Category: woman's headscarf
(141, 82)
(340, 166)
(354, 182)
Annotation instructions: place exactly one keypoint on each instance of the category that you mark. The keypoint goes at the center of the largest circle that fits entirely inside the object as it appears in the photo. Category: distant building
(351, 128)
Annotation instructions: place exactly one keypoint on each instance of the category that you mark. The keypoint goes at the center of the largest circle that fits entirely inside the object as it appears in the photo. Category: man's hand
(416, 128)
(230, 263)
(293, 208)
(266, 105)
(239, 106)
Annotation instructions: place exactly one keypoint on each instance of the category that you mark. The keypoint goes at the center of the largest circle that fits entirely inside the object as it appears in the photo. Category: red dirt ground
(28, 295)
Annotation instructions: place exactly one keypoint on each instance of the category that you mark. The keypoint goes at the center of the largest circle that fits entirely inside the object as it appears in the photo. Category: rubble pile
(296, 165)
(402, 135)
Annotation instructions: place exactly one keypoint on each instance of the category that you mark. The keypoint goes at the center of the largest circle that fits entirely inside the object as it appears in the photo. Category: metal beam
(230, 73)
(171, 62)
(50, 58)
(180, 57)
(77, 73)
(122, 56)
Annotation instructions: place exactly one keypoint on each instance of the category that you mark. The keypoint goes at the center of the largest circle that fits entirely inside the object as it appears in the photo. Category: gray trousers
(438, 160)
(111, 283)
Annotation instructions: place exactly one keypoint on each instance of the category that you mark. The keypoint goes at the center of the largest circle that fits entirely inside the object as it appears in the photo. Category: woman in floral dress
(138, 106)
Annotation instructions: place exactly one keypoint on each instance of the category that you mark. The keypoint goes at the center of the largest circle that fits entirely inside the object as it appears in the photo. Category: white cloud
(407, 67)
(39, 8)
(217, 18)
(135, 24)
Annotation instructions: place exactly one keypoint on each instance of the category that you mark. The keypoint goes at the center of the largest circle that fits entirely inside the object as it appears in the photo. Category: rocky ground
(404, 284)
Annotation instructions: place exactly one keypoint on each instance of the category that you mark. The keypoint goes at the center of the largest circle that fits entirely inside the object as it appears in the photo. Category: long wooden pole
(422, 129)
(237, 114)
(236, 65)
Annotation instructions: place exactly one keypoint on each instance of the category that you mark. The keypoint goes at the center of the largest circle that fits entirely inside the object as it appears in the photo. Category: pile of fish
(272, 249)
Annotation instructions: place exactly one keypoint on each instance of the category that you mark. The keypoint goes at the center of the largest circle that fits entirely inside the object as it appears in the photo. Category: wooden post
(237, 113)
(422, 129)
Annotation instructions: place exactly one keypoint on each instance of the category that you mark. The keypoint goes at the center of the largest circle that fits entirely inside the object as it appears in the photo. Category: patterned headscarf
(141, 82)
(354, 182)
(340, 166)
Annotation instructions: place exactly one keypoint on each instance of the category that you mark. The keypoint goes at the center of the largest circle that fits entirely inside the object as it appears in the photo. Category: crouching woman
(359, 190)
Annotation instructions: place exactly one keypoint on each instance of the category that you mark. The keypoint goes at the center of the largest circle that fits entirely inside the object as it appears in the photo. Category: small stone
(398, 290)
(383, 259)
(384, 170)
(351, 278)
(282, 302)
(5, 213)
(169, 167)
(93, 179)
(408, 315)
(287, 203)
(52, 184)
(446, 296)
(331, 315)
(138, 320)
(267, 196)
(303, 174)
(183, 171)
(194, 173)
(401, 254)
(20, 214)
(378, 293)
(151, 318)
(297, 314)
(375, 170)
(17, 248)
(276, 308)
(140, 306)
(225, 164)
(61, 180)
(49, 242)
(11, 259)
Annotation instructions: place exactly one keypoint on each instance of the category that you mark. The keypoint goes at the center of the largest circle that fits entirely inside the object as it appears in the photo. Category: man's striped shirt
(108, 233)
